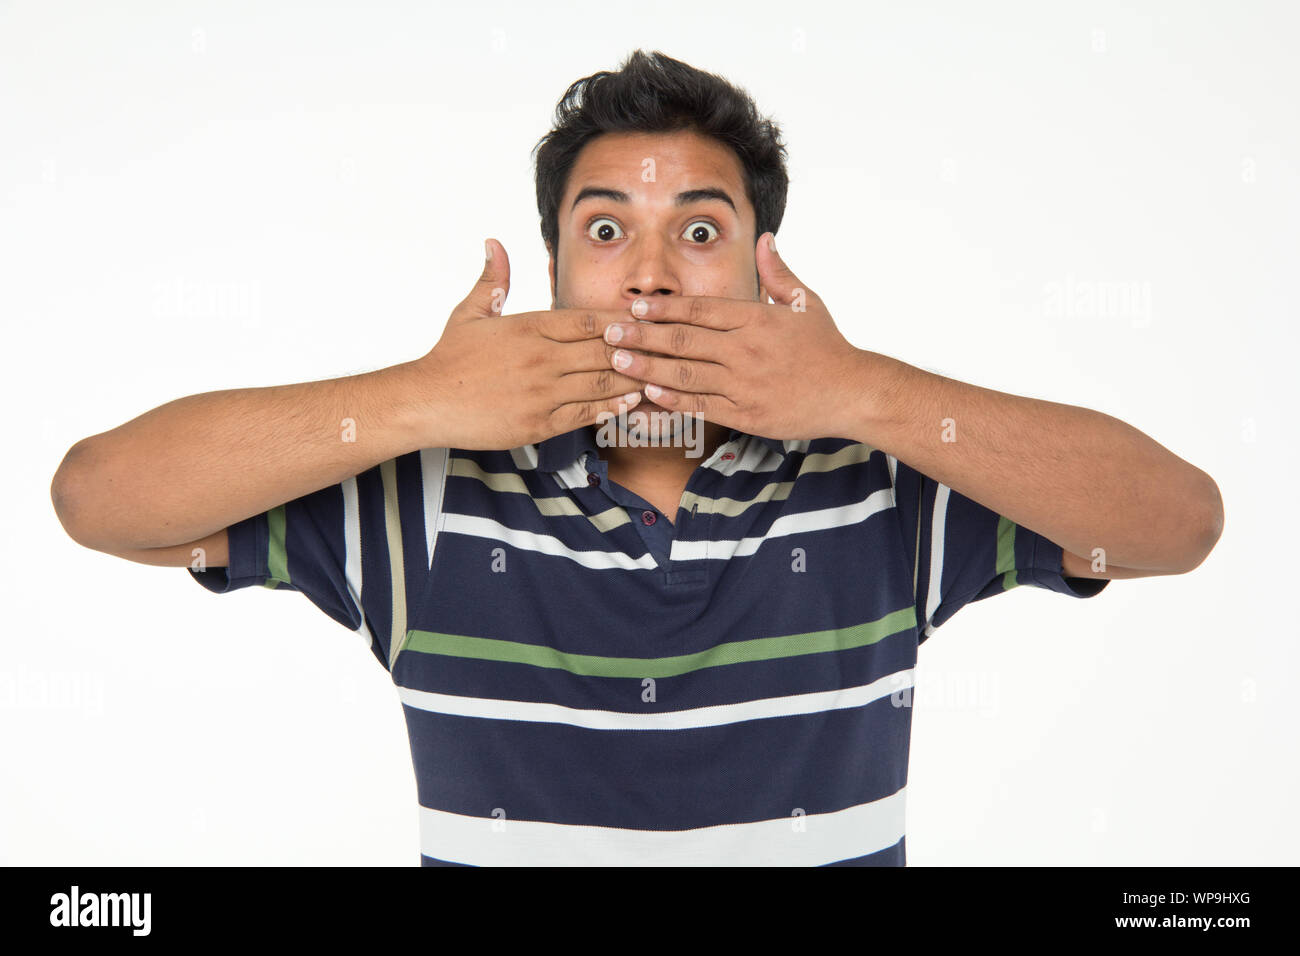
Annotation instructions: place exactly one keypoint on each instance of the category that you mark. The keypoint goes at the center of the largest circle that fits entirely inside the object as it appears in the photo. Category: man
(689, 651)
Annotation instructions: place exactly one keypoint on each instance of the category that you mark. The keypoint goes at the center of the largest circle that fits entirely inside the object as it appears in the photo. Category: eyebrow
(682, 198)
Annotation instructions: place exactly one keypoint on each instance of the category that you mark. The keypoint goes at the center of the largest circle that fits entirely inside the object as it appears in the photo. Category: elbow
(66, 493)
(1208, 521)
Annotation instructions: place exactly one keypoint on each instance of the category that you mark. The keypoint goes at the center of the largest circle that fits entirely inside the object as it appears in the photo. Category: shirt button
(728, 456)
(593, 479)
(648, 517)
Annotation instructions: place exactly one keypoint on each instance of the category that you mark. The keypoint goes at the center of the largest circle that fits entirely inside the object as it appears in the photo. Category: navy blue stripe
(738, 773)
(895, 855)
(797, 584)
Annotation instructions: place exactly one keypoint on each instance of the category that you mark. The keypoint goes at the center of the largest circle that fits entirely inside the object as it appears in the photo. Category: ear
(550, 271)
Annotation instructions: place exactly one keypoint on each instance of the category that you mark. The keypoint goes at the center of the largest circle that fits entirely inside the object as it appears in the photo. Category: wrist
(880, 387)
(404, 400)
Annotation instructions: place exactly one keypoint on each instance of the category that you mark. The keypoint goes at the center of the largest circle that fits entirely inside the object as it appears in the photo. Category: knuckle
(536, 419)
(684, 376)
(587, 323)
(604, 381)
(680, 339)
(697, 310)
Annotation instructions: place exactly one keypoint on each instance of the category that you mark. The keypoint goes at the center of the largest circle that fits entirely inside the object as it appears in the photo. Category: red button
(648, 517)
(593, 479)
(728, 456)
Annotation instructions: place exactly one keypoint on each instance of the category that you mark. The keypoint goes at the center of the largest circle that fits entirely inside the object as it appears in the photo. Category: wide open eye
(604, 230)
(701, 232)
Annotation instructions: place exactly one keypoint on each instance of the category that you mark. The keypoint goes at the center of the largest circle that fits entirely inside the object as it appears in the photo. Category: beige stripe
(615, 517)
(396, 563)
(508, 483)
(822, 462)
(916, 558)
(731, 507)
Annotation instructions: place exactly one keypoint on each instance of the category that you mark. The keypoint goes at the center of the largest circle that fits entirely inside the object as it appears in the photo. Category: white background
(320, 179)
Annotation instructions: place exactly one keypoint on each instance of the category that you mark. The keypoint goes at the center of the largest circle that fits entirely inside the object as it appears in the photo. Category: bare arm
(215, 553)
(161, 484)
(194, 466)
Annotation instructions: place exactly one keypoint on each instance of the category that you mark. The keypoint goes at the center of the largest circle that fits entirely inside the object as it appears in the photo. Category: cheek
(580, 284)
(733, 276)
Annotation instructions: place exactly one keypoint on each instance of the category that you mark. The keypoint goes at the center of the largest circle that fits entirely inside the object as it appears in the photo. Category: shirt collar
(560, 451)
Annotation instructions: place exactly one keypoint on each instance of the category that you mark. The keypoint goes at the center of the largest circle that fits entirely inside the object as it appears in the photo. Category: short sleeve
(343, 547)
(964, 552)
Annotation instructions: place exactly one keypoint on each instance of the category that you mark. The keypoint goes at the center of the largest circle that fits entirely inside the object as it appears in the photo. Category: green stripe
(590, 665)
(1006, 553)
(277, 561)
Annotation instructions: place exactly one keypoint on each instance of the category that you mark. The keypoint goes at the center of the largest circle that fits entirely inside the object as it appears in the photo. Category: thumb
(488, 296)
(781, 284)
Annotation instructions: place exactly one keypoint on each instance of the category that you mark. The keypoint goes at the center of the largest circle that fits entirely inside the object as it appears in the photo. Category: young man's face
(653, 214)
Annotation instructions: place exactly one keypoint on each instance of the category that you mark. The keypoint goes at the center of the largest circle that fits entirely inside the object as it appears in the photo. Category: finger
(703, 311)
(488, 296)
(776, 278)
(674, 339)
(571, 415)
(597, 385)
(687, 375)
(712, 407)
(589, 355)
(575, 325)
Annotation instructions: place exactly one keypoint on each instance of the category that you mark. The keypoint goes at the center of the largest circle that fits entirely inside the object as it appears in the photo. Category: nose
(649, 270)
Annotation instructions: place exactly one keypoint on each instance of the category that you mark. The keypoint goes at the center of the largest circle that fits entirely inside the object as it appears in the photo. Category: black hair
(653, 93)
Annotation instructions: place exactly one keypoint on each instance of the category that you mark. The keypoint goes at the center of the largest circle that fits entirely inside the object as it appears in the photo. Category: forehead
(683, 159)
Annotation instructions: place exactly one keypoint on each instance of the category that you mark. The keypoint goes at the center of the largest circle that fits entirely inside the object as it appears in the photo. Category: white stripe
(937, 525)
(747, 453)
(811, 840)
(524, 457)
(574, 474)
(544, 543)
(433, 477)
(713, 716)
(352, 549)
(820, 520)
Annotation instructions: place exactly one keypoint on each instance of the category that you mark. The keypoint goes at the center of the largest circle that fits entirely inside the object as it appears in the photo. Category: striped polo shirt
(587, 683)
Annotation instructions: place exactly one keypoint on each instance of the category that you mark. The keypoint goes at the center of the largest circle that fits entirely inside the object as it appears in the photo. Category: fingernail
(653, 391)
(487, 251)
(640, 307)
(622, 359)
(613, 334)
